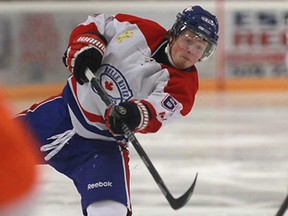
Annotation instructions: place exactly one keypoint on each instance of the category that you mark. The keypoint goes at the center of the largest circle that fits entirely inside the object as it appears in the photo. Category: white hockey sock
(107, 208)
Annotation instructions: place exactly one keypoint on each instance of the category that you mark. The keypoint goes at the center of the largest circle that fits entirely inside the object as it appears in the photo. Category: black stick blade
(181, 201)
(283, 207)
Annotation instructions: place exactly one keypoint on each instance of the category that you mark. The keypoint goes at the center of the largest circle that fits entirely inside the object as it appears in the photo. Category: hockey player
(150, 75)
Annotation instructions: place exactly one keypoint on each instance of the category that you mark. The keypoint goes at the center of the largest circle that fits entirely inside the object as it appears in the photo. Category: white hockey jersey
(128, 71)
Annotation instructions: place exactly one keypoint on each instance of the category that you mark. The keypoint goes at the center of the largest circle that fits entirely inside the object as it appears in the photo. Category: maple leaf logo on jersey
(109, 86)
(115, 83)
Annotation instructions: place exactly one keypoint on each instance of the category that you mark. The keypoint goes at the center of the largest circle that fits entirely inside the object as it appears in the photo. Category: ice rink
(236, 142)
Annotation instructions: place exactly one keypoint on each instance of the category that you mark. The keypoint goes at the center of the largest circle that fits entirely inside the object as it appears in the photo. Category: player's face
(187, 49)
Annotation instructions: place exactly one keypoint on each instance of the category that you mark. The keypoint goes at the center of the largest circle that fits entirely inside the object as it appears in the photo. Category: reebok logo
(99, 184)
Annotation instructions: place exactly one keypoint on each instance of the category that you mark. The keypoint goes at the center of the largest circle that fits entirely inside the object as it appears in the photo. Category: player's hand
(85, 51)
(133, 113)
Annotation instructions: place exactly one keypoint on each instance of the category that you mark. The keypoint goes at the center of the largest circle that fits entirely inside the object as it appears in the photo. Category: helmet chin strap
(167, 51)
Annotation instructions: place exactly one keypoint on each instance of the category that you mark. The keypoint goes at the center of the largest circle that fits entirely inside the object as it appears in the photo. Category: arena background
(250, 54)
(235, 137)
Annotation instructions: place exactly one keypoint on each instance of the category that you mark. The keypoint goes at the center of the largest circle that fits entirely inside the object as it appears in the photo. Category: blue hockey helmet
(202, 23)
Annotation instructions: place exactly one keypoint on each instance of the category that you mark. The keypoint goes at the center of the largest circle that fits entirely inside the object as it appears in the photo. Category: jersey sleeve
(172, 99)
(152, 31)
(107, 26)
(95, 23)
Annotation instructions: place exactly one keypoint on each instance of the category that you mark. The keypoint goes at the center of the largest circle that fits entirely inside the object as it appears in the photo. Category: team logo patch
(115, 84)
(127, 34)
(169, 103)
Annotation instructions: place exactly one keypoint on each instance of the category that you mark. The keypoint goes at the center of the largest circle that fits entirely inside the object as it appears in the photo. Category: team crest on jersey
(127, 34)
(115, 84)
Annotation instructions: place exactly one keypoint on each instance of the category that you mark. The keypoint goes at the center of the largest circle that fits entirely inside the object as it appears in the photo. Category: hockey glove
(85, 51)
(133, 113)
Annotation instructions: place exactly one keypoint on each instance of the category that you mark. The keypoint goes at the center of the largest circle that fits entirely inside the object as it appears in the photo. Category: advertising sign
(255, 40)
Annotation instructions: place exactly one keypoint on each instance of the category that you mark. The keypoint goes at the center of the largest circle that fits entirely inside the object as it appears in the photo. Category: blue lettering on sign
(169, 103)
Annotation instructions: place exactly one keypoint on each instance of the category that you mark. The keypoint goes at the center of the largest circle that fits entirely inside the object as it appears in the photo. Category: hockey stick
(283, 207)
(175, 203)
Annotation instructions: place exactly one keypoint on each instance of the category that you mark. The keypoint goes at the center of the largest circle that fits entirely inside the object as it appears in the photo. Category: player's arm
(163, 106)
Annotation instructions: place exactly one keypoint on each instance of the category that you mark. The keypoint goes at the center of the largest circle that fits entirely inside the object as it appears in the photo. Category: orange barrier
(33, 91)
(244, 84)
(47, 90)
